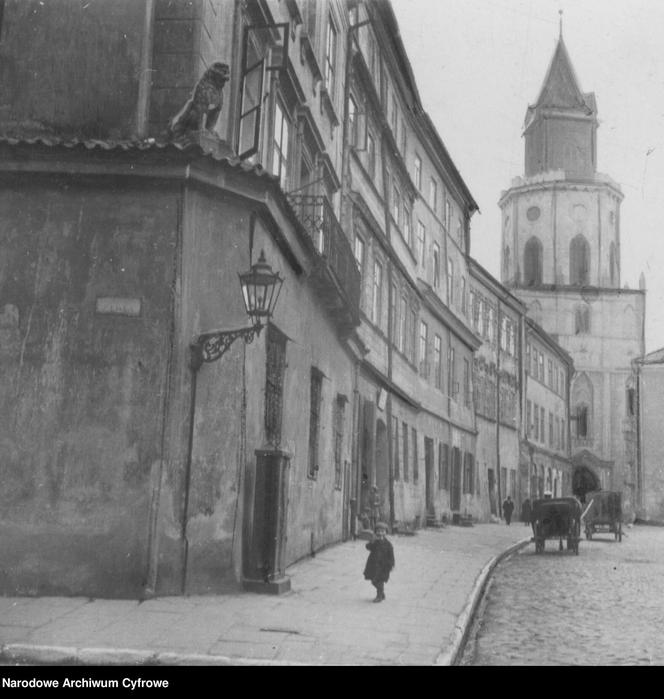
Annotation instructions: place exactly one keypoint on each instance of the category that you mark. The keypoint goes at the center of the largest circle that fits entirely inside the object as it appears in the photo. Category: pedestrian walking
(508, 508)
(380, 561)
(525, 511)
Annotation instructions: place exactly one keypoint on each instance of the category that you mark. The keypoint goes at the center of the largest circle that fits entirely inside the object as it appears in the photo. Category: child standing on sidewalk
(380, 561)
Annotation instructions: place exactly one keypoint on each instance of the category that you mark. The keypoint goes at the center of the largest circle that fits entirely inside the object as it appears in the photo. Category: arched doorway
(584, 480)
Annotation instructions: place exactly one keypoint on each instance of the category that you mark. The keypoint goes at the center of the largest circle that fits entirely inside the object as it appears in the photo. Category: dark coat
(380, 561)
(508, 508)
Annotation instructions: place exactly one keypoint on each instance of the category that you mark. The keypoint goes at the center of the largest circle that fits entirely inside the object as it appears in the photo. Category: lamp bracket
(209, 347)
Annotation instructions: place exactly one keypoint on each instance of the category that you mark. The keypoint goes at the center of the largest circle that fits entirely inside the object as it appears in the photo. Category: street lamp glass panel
(260, 290)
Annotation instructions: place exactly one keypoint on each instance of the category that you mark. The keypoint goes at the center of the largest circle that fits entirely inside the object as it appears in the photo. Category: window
(528, 358)
(339, 412)
(491, 321)
(274, 384)
(280, 147)
(395, 447)
(460, 233)
(533, 262)
(404, 440)
(466, 383)
(424, 341)
(403, 138)
(529, 424)
(421, 243)
(315, 392)
(444, 466)
(542, 425)
(450, 282)
(451, 373)
(468, 473)
(396, 205)
(330, 57)
(359, 252)
(464, 307)
(582, 422)
(541, 367)
(393, 116)
(551, 440)
(579, 260)
(582, 320)
(416, 473)
(417, 174)
(437, 361)
(377, 300)
(537, 424)
(405, 228)
(475, 304)
(436, 266)
(413, 331)
(433, 194)
(352, 121)
(371, 155)
(251, 103)
(403, 320)
(394, 310)
(448, 216)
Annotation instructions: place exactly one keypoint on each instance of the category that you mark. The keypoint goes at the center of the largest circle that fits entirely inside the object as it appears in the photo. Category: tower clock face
(533, 213)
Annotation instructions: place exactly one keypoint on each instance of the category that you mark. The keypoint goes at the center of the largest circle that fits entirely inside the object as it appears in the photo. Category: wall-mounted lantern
(260, 290)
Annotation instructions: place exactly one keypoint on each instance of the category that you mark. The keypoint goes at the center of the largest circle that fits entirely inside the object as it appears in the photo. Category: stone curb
(450, 655)
(65, 655)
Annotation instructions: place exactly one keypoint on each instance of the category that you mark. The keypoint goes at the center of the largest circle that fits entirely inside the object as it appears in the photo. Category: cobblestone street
(602, 607)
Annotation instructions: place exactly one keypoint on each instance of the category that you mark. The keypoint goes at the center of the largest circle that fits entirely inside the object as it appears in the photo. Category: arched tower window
(579, 261)
(581, 320)
(582, 400)
(532, 259)
(613, 270)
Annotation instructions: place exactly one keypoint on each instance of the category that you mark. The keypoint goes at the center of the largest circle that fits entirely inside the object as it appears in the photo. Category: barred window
(274, 384)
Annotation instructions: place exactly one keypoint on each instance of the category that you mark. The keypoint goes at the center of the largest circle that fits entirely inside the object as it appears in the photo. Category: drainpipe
(145, 72)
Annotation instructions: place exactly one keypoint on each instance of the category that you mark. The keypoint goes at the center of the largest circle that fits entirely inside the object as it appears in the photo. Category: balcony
(336, 276)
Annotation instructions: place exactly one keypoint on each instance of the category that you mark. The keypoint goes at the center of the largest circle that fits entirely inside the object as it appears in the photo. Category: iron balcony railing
(335, 253)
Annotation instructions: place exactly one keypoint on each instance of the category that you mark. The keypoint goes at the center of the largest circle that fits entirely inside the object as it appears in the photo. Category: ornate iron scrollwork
(210, 347)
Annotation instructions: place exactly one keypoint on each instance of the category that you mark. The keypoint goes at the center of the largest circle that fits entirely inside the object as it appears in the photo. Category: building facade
(561, 256)
(497, 316)
(408, 211)
(644, 406)
(545, 464)
(128, 467)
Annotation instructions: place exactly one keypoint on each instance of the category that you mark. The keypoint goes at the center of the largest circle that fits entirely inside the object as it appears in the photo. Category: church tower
(561, 255)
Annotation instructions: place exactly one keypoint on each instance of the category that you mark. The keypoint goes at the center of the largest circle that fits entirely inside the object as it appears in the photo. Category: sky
(478, 64)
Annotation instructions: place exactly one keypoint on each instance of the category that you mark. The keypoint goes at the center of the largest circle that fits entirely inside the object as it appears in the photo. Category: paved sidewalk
(327, 618)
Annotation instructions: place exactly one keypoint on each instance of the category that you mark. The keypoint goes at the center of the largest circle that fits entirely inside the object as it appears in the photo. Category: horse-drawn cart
(556, 518)
(603, 513)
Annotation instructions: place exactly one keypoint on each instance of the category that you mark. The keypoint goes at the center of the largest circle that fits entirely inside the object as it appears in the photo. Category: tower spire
(560, 12)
